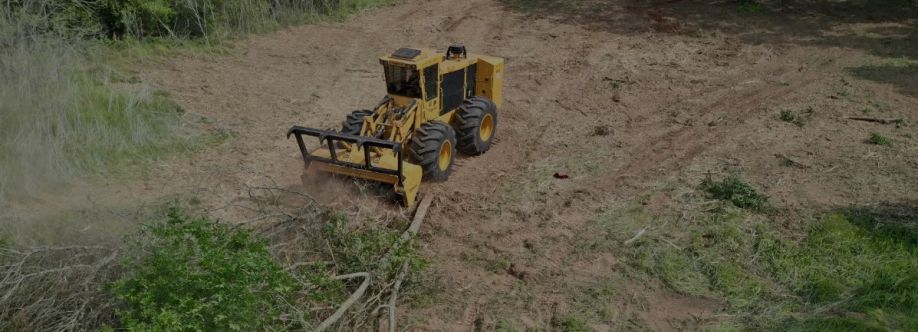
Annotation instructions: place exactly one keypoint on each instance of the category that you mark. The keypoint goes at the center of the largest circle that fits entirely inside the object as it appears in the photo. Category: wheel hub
(486, 129)
(446, 154)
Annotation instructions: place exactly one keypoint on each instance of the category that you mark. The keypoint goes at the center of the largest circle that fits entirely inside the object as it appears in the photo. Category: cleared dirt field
(636, 101)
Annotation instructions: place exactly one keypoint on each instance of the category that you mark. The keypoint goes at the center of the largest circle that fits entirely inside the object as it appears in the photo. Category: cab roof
(413, 56)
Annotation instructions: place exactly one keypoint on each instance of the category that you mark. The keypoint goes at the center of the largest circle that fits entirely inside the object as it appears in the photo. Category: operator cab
(439, 79)
(411, 73)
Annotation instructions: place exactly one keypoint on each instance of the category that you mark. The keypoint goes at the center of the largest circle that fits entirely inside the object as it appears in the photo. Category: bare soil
(636, 101)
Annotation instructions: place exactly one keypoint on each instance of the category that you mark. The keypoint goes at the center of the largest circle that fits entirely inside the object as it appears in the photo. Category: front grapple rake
(362, 157)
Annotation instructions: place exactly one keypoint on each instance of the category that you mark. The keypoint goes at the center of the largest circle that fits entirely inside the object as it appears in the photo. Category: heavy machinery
(438, 103)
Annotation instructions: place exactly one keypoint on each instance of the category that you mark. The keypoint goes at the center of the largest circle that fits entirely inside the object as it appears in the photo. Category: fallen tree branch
(350, 300)
(636, 236)
(877, 120)
(418, 217)
(791, 161)
(566, 108)
(412, 230)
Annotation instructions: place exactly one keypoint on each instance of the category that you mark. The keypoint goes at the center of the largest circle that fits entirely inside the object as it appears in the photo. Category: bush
(196, 275)
(878, 139)
(737, 192)
(791, 117)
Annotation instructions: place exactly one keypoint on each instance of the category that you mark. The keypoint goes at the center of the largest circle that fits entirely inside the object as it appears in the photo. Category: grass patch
(736, 191)
(879, 139)
(849, 272)
(797, 119)
(788, 116)
(858, 279)
(505, 325)
(496, 265)
(570, 324)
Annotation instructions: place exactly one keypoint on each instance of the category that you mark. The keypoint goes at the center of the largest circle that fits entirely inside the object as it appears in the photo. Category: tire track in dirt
(675, 147)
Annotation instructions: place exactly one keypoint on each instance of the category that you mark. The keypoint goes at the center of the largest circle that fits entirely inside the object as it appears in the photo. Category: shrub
(197, 275)
(878, 139)
(791, 117)
(737, 192)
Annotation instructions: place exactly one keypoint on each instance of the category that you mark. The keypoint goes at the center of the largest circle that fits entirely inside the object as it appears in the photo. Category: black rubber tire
(425, 149)
(354, 122)
(468, 121)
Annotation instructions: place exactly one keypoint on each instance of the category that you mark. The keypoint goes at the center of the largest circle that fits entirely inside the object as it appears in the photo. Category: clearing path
(628, 99)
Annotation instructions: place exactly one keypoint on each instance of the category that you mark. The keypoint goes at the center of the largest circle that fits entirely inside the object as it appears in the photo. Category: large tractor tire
(354, 122)
(476, 124)
(434, 148)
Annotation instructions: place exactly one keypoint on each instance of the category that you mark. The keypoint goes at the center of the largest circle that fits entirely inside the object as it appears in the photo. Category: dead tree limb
(350, 300)
(412, 230)
(876, 120)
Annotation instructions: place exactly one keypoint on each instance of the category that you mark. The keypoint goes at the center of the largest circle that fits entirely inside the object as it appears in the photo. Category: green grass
(792, 117)
(571, 324)
(848, 272)
(788, 116)
(736, 191)
(866, 276)
(504, 325)
(879, 139)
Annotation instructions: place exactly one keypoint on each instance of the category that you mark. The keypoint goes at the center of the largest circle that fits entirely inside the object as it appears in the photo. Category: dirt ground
(635, 101)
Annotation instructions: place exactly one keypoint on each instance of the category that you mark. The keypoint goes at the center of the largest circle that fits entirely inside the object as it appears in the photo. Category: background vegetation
(67, 110)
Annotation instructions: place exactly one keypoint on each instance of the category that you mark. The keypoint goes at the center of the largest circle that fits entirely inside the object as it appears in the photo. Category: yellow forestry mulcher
(437, 103)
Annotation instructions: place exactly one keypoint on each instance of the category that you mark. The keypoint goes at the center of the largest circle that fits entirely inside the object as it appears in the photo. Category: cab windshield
(403, 81)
